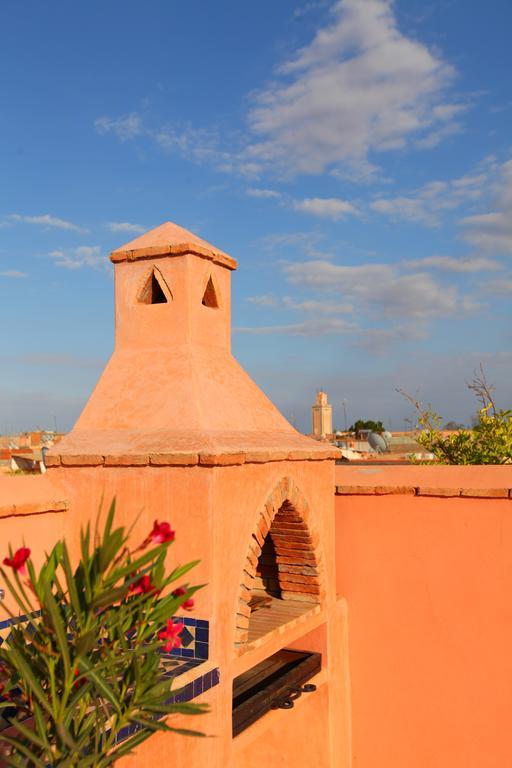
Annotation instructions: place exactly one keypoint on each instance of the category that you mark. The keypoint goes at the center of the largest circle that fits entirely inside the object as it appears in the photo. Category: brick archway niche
(282, 560)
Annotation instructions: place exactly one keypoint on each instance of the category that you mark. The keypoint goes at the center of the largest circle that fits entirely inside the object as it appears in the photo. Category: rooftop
(169, 239)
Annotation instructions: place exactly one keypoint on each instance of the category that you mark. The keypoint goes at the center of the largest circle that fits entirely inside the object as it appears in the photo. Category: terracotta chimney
(172, 384)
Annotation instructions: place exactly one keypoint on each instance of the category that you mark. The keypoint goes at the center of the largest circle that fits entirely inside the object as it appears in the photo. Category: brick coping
(180, 459)
(422, 490)
(179, 249)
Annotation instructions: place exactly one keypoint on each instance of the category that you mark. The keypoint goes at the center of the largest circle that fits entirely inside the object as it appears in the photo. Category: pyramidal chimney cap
(170, 240)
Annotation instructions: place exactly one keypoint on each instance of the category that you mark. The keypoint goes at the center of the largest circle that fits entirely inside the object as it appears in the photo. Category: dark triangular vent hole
(210, 296)
(153, 293)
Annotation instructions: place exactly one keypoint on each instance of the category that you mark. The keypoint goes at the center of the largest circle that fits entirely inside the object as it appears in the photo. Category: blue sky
(354, 156)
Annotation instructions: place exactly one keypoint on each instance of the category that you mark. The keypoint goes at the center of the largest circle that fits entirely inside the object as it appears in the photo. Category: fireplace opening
(281, 576)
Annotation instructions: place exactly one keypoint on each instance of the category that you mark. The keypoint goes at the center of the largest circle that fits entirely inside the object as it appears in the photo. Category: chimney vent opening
(210, 298)
(153, 291)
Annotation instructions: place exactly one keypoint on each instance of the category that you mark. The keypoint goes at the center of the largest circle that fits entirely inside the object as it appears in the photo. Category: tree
(373, 426)
(489, 441)
(85, 663)
(454, 425)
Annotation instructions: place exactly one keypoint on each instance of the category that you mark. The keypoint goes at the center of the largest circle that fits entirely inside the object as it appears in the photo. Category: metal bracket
(288, 700)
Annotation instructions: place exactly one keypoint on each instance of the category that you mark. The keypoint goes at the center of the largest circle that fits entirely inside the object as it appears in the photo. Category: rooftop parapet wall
(493, 482)
(424, 560)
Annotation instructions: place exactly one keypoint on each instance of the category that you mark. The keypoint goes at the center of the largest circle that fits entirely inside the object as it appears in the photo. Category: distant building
(322, 416)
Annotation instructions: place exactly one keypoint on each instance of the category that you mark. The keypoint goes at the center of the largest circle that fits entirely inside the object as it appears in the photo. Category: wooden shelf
(284, 622)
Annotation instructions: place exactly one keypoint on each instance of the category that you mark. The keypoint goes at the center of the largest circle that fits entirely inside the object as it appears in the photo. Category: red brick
(355, 490)
(242, 622)
(299, 579)
(403, 490)
(126, 460)
(485, 493)
(176, 459)
(295, 557)
(426, 491)
(301, 596)
(243, 609)
(221, 459)
(84, 460)
(305, 570)
(286, 543)
(309, 589)
(259, 537)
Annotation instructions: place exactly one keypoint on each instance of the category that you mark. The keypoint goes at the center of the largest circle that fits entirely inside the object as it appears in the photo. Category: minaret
(322, 416)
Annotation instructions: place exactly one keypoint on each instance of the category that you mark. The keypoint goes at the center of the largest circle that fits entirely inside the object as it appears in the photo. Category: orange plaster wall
(39, 532)
(429, 588)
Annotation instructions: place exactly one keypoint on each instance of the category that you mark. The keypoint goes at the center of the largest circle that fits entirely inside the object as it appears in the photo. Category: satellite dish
(377, 442)
(387, 436)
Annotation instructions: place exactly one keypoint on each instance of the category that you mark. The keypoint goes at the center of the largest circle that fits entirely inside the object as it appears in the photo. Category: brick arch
(283, 528)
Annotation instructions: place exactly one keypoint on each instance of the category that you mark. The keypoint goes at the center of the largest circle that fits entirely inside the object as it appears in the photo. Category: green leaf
(29, 678)
(70, 581)
(20, 747)
(58, 626)
(101, 684)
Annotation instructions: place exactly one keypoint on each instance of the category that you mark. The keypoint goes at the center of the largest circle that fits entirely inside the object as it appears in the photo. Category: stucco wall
(428, 581)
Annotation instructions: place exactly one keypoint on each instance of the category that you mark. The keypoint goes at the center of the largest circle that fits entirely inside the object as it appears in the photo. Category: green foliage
(373, 426)
(488, 442)
(86, 662)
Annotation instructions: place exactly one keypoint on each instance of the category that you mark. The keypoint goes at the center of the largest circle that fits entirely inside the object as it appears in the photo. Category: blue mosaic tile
(194, 636)
(186, 637)
(174, 663)
(201, 650)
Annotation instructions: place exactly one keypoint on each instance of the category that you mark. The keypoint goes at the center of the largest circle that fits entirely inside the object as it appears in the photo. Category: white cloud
(381, 289)
(317, 307)
(83, 256)
(491, 232)
(360, 85)
(312, 326)
(429, 203)
(306, 242)
(123, 127)
(434, 138)
(15, 273)
(263, 193)
(451, 264)
(500, 287)
(266, 300)
(45, 220)
(124, 226)
(326, 207)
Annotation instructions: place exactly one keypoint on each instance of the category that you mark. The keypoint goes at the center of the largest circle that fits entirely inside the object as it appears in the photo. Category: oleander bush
(489, 441)
(85, 662)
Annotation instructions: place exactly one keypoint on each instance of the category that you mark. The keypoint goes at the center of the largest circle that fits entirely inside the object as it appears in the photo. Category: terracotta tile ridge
(186, 458)
(178, 249)
(33, 508)
(423, 490)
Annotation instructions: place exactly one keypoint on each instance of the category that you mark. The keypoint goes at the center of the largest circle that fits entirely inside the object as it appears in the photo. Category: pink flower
(170, 635)
(17, 563)
(142, 586)
(188, 604)
(161, 533)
